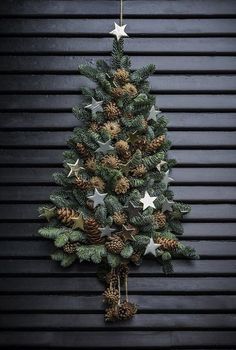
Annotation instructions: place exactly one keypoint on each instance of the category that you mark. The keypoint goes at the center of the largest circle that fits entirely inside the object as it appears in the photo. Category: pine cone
(94, 127)
(160, 219)
(97, 182)
(139, 171)
(90, 164)
(111, 110)
(126, 310)
(167, 243)
(156, 143)
(65, 215)
(113, 128)
(125, 156)
(136, 258)
(70, 248)
(82, 184)
(121, 146)
(112, 278)
(82, 150)
(89, 204)
(111, 296)
(114, 244)
(130, 89)
(111, 161)
(111, 314)
(122, 185)
(123, 271)
(141, 143)
(117, 92)
(121, 76)
(119, 218)
(91, 227)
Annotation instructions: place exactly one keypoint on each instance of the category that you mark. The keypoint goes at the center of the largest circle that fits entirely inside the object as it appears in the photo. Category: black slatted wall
(193, 44)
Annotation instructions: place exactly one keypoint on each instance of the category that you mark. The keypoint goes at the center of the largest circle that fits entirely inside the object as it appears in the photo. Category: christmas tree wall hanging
(114, 205)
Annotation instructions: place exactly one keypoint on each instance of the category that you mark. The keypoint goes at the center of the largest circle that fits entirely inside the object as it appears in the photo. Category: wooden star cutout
(48, 213)
(78, 222)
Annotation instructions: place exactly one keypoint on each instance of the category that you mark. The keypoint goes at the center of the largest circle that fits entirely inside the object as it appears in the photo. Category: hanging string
(121, 12)
(126, 288)
(119, 289)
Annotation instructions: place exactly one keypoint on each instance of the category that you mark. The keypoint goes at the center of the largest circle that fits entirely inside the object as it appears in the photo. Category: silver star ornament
(119, 31)
(167, 205)
(95, 106)
(166, 179)
(159, 165)
(152, 247)
(147, 201)
(153, 114)
(74, 168)
(106, 231)
(97, 198)
(104, 147)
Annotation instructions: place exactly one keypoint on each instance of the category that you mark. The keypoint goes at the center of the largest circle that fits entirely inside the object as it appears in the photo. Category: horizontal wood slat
(199, 212)
(71, 83)
(195, 230)
(104, 45)
(92, 26)
(201, 139)
(58, 121)
(193, 194)
(175, 64)
(107, 7)
(54, 157)
(147, 303)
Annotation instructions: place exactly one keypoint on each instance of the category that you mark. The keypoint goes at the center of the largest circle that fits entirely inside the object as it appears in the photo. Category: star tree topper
(119, 31)
(95, 106)
(147, 201)
(151, 247)
(97, 198)
(74, 168)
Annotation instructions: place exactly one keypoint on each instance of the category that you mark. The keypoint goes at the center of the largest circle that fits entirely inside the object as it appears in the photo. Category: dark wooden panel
(195, 230)
(193, 194)
(208, 212)
(81, 303)
(199, 102)
(44, 248)
(103, 45)
(181, 175)
(73, 83)
(105, 7)
(58, 121)
(47, 267)
(54, 157)
(70, 64)
(93, 26)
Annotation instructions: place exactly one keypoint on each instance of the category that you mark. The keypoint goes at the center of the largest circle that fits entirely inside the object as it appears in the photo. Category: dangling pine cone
(139, 171)
(111, 161)
(167, 243)
(90, 164)
(160, 219)
(114, 244)
(82, 150)
(91, 227)
(82, 184)
(136, 258)
(126, 310)
(112, 279)
(119, 218)
(123, 271)
(122, 146)
(113, 128)
(97, 182)
(111, 314)
(65, 215)
(121, 76)
(122, 185)
(111, 296)
(117, 92)
(70, 248)
(130, 89)
(111, 110)
(156, 143)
